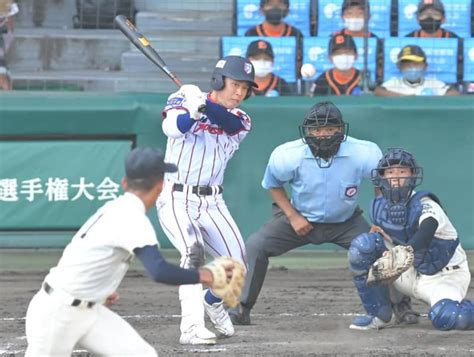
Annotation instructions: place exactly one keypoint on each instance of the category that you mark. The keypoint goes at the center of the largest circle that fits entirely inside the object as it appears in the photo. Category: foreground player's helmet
(323, 114)
(235, 67)
(397, 189)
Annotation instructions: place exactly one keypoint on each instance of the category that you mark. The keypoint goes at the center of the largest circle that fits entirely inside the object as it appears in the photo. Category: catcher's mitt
(227, 287)
(391, 265)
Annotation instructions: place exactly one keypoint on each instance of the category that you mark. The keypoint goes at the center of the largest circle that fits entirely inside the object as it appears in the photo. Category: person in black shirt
(343, 79)
(260, 53)
(431, 16)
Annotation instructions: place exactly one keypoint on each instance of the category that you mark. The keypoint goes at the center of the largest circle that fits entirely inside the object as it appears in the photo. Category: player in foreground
(71, 307)
(191, 208)
(437, 273)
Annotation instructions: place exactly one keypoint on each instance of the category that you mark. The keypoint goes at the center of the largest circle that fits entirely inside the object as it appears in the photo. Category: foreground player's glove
(228, 279)
(391, 265)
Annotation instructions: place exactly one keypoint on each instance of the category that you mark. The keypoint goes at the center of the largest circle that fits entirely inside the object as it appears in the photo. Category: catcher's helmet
(401, 193)
(235, 67)
(321, 115)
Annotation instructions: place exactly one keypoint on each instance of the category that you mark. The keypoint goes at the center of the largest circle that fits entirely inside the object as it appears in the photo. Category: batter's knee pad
(365, 249)
(448, 314)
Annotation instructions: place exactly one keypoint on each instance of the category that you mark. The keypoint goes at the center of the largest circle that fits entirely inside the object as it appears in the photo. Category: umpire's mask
(323, 146)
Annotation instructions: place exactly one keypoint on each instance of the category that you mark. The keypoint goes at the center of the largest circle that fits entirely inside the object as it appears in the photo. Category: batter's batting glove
(194, 99)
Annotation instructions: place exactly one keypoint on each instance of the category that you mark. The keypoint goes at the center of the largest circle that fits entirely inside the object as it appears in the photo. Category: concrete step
(184, 44)
(214, 22)
(94, 80)
(136, 62)
(47, 49)
(50, 13)
(166, 5)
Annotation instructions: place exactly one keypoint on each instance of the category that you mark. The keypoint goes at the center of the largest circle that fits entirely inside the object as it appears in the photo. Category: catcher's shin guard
(448, 314)
(375, 299)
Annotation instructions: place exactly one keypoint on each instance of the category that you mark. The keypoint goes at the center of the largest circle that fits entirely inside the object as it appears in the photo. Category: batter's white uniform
(452, 281)
(91, 269)
(428, 86)
(201, 155)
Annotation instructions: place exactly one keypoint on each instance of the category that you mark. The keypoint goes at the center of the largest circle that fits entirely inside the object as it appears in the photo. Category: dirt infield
(300, 313)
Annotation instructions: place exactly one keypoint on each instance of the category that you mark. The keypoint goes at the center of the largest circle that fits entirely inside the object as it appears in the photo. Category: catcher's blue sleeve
(163, 272)
(425, 233)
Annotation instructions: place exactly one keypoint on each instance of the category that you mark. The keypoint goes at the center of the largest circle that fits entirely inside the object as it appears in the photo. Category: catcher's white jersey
(95, 262)
(452, 281)
(202, 153)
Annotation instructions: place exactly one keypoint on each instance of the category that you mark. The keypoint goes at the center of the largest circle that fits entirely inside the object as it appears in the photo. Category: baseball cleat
(240, 315)
(220, 318)
(198, 335)
(368, 322)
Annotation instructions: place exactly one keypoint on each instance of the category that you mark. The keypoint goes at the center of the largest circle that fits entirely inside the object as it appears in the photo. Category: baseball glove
(391, 265)
(228, 288)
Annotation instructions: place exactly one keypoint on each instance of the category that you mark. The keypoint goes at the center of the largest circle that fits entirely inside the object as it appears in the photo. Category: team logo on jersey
(248, 68)
(175, 101)
(351, 191)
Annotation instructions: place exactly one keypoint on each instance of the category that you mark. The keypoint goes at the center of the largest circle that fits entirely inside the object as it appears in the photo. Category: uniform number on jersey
(92, 224)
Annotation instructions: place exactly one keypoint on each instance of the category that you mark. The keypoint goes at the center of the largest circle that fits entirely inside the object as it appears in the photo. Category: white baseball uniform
(201, 155)
(68, 310)
(452, 281)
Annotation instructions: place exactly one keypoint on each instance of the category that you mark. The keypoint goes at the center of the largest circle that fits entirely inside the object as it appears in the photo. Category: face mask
(325, 148)
(274, 15)
(354, 23)
(343, 62)
(413, 74)
(430, 25)
(262, 68)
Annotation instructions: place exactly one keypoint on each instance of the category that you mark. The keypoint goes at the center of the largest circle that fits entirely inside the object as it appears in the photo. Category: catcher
(413, 246)
(71, 307)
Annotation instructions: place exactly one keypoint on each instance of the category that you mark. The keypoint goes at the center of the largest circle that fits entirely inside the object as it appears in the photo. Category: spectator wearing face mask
(275, 12)
(5, 81)
(431, 15)
(343, 79)
(413, 81)
(353, 14)
(260, 53)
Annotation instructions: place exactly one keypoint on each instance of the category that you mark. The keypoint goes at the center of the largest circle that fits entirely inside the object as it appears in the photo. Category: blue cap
(146, 162)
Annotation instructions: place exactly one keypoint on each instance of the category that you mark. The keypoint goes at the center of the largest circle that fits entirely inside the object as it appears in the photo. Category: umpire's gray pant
(277, 237)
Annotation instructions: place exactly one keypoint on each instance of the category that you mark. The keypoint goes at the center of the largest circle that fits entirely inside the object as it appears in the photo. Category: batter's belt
(67, 299)
(199, 190)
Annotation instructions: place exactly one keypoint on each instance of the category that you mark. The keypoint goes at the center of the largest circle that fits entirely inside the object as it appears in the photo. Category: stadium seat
(284, 49)
(330, 21)
(315, 51)
(441, 54)
(469, 65)
(248, 15)
(458, 17)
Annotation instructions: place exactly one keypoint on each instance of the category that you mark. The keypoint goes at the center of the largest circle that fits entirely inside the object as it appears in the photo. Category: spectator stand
(248, 15)
(284, 49)
(458, 17)
(469, 66)
(330, 20)
(315, 51)
(441, 55)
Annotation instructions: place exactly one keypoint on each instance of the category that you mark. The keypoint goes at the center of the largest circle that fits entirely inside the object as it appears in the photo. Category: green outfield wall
(61, 154)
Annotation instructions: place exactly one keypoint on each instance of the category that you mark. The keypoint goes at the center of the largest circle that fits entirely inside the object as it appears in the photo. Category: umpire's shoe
(240, 315)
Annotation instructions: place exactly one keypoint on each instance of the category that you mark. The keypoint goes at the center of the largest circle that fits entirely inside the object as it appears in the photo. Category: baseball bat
(144, 46)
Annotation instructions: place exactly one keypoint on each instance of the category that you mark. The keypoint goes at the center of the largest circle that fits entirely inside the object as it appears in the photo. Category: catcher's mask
(397, 190)
(323, 114)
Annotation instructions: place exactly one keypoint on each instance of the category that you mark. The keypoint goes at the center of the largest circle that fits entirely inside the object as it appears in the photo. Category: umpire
(324, 171)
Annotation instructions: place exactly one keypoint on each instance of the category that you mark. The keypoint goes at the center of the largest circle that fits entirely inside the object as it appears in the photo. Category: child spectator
(260, 53)
(5, 81)
(431, 15)
(412, 65)
(8, 9)
(275, 12)
(353, 15)
(343, 79)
